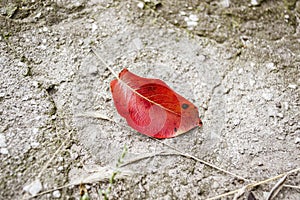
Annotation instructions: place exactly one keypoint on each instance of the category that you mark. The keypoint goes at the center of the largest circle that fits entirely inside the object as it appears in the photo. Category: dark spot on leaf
(200, 122)
(184, 106)
(175, 129)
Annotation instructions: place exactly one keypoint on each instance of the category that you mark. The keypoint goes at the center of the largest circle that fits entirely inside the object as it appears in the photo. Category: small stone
(45, 29)
(80, 42)
(271, 66)
(286, 16)
(37, 16)
(255, 3)
(205, 106)
(2, 141)
(297, 140)
(225, 3)
(60, 158)
(88, 187)
(252, 82)
(260, 164)
(191, 23)
(280, 138)
(4, 151)
(267, 96)
(92, 70)
(292, 86)
(286, 105)
(35, 84)
(182, 13)
(94, 27)
(278, 105)
(194, 18)
(60, 168)
(33, 188)
(215, 185)
(35, 144)
(138, 43)
(141, 5)
(56, 194)
(74, 156)
(43, 47)
(240, 71)
(280, 115)
(236, 122)
(90, 20)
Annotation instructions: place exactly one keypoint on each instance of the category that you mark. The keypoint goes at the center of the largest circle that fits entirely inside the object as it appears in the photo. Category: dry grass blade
(202, 161)
(55, 153)
(241, 191)
(96, 115)
(275, 190)
(106, 65)
(255, 184)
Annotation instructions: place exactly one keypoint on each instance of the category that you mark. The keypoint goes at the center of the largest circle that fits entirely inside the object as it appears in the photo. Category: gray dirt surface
(238, 61)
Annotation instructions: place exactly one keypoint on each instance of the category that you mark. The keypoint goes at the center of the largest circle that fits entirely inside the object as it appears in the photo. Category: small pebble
(267, 96)
(252, 82)
(297, 140)
(194, 18)
(37, 16)
(2, 141)
(240, 71)
(33, 188)
(94, 27)
(182, 13)
(56, 194)
(4, 151)
(271, 66)
(255, 3)
(60, 168)
(260, 164)
(215, 185)
(191, 23)
(141, 5)
(286, 105)
(280, 138)
(236, 122)
(60, 159)
(292, 86)
(278, 105)
(35, 144)
(45, 29)
(74, 156)
(280, 115)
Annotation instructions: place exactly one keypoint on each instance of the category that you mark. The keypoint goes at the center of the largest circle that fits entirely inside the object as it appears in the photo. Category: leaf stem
(106, 65)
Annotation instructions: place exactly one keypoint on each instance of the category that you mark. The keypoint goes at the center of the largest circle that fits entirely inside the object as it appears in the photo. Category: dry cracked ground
(62, 138)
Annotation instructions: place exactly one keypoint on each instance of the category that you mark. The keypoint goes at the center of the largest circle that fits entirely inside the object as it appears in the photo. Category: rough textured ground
(238, 61)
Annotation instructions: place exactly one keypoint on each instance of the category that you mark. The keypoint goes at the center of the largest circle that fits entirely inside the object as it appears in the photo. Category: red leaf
(151, 107)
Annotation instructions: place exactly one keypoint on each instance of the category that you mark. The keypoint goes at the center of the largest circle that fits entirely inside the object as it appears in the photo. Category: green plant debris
(105, 193)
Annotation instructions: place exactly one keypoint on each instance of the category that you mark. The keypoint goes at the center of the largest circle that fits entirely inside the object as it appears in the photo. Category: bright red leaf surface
(151, 107)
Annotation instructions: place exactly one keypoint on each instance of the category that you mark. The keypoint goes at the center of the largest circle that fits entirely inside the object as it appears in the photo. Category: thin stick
(52, 157)
(51, 190)
(106, 65)
(150, 156)
(277, 187)
(202, 161)
(251, 185)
